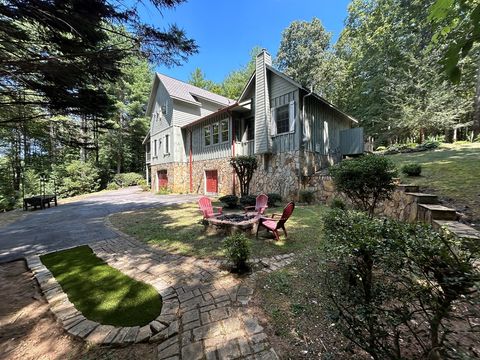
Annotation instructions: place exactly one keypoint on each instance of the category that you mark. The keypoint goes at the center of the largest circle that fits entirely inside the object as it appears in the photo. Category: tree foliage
(58, 55)
(306, 55)
(233, 84)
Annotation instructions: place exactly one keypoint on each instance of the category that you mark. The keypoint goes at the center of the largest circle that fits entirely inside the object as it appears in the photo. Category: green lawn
(452, 172)
(100, 292)
(177, 229)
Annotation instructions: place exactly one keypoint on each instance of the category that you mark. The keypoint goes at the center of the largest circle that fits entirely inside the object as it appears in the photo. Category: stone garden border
(73, 321)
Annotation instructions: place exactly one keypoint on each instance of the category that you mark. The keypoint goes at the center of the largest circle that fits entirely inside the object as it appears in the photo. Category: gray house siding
(158, 120)
(325, 126)
(289, 141)
(200, 151)
(263, 141)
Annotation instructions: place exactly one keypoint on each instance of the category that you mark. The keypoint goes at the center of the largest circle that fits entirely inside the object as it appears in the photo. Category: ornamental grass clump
(237, 249)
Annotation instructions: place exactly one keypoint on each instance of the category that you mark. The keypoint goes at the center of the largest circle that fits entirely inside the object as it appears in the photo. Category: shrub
(273, 199)
(230, 201)
(78, 178)
(365, 180)
(307, 196)
(428, 145)
(143, 184)
(112, 186)
(128, 179)
(248, 200)
(412, 169)
(337, 203)
(389, 281)
(163, 190)
(237, 249)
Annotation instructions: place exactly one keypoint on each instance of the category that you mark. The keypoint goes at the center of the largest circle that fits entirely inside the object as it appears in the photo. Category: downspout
(190, 162)
(300, 174)
(233, 151)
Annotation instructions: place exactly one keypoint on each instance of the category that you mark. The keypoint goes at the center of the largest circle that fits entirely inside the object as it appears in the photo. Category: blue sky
(227, 30)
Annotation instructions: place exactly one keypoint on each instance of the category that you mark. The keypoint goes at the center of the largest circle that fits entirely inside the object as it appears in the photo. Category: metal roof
(186, 92)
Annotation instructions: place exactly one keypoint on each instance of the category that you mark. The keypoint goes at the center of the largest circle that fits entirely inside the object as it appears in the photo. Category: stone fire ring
(231, 226)
(73, 321)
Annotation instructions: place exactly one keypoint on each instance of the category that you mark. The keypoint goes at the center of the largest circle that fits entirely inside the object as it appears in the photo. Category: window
(250, 128)
(206, 135)
(215, 134)
(164, 109)
(155, 147)
(282, 117)
(167, 144)
(224, 129)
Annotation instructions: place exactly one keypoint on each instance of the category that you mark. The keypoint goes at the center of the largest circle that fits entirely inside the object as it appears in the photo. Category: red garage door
(212, 181)
(162, 179)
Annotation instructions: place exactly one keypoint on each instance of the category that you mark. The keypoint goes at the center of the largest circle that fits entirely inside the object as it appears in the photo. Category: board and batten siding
(288, 141)
(200, 151)
(325, 126)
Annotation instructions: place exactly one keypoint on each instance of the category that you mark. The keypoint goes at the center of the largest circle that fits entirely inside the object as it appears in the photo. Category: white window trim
(167, 144)
(209, 135)
(274, 119)
(220, 128)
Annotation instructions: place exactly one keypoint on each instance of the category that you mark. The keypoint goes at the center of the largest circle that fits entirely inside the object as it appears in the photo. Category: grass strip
(100, 292)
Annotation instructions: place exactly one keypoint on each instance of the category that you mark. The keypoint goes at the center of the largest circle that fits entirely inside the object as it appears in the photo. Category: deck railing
(245, 147)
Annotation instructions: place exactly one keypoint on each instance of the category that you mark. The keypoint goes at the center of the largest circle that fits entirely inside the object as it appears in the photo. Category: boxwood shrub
(412, 169)
(230, 201)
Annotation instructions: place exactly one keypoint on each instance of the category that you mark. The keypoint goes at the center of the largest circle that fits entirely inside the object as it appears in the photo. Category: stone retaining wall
(401, 206)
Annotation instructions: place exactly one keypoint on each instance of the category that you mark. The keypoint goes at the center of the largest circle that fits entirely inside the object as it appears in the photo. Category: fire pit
(230, 223)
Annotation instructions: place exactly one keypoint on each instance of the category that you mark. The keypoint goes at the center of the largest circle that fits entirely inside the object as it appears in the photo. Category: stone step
(422, 198)
(407, 188)
(461, 230)
(429, 212)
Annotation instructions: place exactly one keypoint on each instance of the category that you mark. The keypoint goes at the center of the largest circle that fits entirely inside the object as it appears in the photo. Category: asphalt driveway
(75, 223)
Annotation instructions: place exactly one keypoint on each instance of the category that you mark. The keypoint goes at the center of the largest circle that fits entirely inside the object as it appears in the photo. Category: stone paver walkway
(205, 313)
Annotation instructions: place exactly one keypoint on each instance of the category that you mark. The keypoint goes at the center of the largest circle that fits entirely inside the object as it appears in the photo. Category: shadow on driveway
(75, 223)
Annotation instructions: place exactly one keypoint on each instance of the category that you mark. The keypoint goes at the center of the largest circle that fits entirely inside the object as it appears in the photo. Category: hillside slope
(452, 172)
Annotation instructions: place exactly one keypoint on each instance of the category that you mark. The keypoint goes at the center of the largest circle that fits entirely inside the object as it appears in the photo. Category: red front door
(162, 179)
(212, 181)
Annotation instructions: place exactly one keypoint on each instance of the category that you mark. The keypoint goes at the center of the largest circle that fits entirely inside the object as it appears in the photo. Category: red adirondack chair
(205, 205)
(274, 225)
(260, 205)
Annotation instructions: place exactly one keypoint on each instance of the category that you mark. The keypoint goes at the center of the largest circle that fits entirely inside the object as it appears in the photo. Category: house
(293, 132)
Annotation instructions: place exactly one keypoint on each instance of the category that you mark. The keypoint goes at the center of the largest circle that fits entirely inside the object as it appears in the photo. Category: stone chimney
(263, 141)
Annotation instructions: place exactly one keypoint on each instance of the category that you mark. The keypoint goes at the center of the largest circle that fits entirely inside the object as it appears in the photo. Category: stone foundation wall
(224, 171)
(177, 174)
(278, 173)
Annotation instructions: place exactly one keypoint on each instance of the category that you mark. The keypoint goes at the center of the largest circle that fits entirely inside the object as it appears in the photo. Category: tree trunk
(476, 113)
(83, 136)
